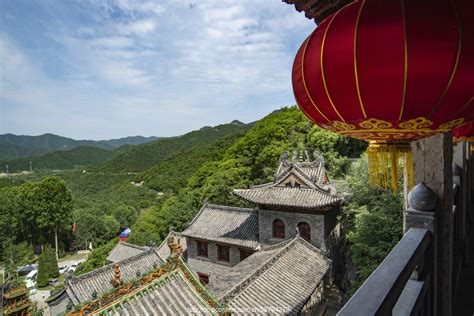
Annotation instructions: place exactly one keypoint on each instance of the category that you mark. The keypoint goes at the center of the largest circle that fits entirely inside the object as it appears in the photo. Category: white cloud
(154, 68)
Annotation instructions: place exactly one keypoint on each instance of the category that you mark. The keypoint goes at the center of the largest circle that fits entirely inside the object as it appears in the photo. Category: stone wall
(291, 220)
(234, 252)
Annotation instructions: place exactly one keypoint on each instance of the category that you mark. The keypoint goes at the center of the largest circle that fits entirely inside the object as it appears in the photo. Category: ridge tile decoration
(80, 288)
(170, 289)
(298, 185)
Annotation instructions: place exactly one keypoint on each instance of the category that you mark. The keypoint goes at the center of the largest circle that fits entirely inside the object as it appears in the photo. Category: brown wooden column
(433, 158)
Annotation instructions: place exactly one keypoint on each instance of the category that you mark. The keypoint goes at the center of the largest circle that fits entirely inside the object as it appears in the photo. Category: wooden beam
(303, 5)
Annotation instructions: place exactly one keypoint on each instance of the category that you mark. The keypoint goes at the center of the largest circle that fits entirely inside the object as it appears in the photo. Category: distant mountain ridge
(20, 146)
(129, 154)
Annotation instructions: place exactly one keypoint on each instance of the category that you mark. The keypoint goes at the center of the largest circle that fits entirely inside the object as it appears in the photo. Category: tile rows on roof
(171, 295)
(283, 283)
(304, 198)
(124, 250)
(225, 224)
(81, 288)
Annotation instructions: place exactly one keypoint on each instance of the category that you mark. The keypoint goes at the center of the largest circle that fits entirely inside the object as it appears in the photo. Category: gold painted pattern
(322, 67)
(375, 129)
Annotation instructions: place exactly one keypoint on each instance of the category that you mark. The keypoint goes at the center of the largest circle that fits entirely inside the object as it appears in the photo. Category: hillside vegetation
(62, 159)
(176, 175)
(251, 159)
(145, 156)
(20, 146)
(10, 151)
(172, 174)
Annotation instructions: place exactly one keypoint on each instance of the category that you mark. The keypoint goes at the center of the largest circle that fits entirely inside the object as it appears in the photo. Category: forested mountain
(60, 160)
(251, 159)
(142, 157)
(10, 151)
(172, 174)
(18, 146)
(204, 164)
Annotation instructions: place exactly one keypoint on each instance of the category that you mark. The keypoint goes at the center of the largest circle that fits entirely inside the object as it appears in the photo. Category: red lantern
(464, 133)
(389, 72)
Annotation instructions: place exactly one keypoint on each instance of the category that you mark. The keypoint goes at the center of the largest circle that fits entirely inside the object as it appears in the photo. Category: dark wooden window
(223, 253)
(204, 278)
(244, 253)
(278, 229)
(201, 248)
(304, 230)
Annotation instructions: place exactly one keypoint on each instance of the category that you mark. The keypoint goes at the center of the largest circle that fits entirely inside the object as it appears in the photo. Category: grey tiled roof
(171, 295)
(309, 195)
(305, 198)
(286, 280)
(123, 251)
(225, 224)
(80, 288)
(314, 170)
(223, 278)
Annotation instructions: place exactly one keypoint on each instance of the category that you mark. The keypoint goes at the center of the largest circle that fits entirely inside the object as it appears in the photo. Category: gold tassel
(384, 160)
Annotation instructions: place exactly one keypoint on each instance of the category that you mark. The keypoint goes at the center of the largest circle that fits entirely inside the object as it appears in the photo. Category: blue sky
(90, 69)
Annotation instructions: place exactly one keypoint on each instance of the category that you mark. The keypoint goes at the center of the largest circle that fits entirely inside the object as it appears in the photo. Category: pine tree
(47, 266)
(43, 273)
(53, 266)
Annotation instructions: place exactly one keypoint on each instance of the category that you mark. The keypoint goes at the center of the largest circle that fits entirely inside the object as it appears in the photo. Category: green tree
(372, 220)
(97, 259)
(54, 205)
(125, 215)
(14, 256)
(92, 227)
(47, 266)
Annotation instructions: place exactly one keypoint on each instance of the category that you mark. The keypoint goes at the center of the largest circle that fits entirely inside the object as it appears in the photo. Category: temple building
(274, 258)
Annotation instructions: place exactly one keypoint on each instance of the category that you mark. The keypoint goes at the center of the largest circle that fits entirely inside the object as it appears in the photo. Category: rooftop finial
(284, 156)
(116, 281)
(318, 158)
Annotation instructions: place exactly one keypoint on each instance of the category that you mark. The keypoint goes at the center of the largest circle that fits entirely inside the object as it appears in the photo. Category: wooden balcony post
(432, 158)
